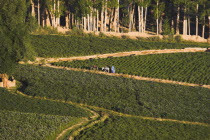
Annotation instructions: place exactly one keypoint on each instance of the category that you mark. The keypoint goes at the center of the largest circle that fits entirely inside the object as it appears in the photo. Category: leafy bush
(118, 128)
(30, 126)
(19, 103)
(120, 94)
(185, 67)
(178, 38)
(65, 46)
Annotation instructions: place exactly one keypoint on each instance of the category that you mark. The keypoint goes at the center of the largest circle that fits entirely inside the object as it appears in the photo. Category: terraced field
(183, 67)
(117, 128)
(28, 118)
(118, 94)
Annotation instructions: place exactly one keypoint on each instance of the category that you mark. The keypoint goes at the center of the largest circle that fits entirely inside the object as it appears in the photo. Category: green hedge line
(116, 93)
(119, 128)
(19, 103)
(184, 67)
(65, 46)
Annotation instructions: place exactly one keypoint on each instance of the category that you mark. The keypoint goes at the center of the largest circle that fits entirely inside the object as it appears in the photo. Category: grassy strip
(66, 46)
(19, 103)
(184, 67)
(117, 128)
(119, 94)
(32, 126)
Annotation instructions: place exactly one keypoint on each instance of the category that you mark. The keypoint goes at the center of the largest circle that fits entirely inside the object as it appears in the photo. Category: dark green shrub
(178, 38)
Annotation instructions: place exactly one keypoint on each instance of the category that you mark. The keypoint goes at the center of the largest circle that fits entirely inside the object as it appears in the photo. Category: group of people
(105, 69)
(108, 69)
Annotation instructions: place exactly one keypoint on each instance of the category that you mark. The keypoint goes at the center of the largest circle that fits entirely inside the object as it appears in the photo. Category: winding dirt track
(130, 76)
(120, 54)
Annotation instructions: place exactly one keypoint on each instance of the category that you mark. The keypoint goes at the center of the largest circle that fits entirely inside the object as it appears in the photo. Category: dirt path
(76, 133)
(120, 54)
(104, 116)
(130, 76)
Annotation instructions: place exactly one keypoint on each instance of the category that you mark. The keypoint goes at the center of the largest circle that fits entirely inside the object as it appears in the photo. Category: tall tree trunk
(58, 16)
(102, 19)
(105, 16)
(85, 24)
(88, 18)
(185, 23)
(139, 18)
(203, 29)
(142, 19)
(118, 16)
(189, 30)
(197, 20)
(157, 19)
(32, 9)
(145, 19)
(177, 20)
(38, 13)
(97, 20)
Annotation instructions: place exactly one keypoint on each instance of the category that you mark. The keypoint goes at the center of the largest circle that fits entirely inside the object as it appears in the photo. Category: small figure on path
(112, 69)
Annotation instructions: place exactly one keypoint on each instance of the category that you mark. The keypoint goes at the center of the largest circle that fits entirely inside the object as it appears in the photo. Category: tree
(15, 26)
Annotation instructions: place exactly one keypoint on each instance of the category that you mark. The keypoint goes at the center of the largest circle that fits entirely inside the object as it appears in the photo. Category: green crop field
(185, 67)
(31, 126)
(30, 118)
(118, 128)
(65, 46)
(19, 103)
(118, 94)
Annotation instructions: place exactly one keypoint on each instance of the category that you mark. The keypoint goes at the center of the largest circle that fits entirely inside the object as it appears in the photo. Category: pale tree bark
(115, 20)
(88, 22)
(102, 19)
(139, 18)
(197, 20)
(67, 21)
(118, 16)
(185, 23)
(38, 13)
(58, 16)
(97, 20)
(142, 19)
(32, 9)
(161, 25)
(105, 16)
(131, 16)
(189, 30)
(85, 23)
(203, 27)
(145, 19)
(177, 20)
(157, 18)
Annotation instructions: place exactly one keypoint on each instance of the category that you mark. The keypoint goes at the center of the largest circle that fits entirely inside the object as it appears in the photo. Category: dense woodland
(187, 17)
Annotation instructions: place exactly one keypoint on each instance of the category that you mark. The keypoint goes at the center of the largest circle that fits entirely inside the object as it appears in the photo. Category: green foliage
(118, 128)
(185, 67)
(12, 102)
(120, 94)
(65, 46)
(178, 38)
(30, 126)
(14, 30)
(46, 31)
(3, 90)
(76, 32)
